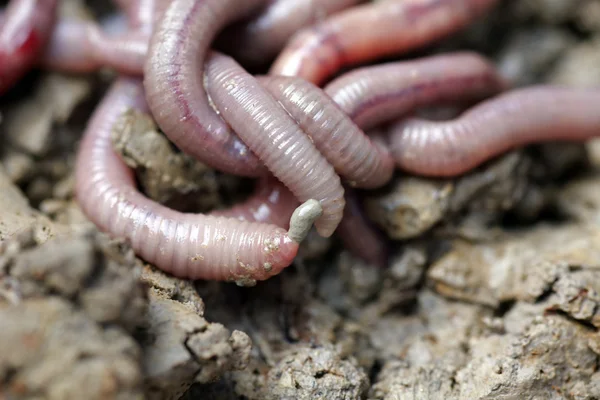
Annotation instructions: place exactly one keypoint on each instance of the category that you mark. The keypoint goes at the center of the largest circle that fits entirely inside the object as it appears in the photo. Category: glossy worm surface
(186, 245)
(257, 41)
(381, 93)
(174, 84)
(362, 163)
(516, 118)
(26, 26)
(371, 31)
(275, 138)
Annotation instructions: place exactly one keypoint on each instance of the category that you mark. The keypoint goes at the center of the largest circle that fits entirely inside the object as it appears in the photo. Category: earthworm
(271, 203)
(372, 31)
(257, 41)
(192, 246)
(79, 46)
(274, 136)
(515, 118)
(173, 79)
(377, 94)
(362, 163)
(26, 25)
(359, 235)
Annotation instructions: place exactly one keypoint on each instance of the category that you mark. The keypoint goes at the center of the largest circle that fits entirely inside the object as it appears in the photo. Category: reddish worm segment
(371, 31)
(185, 245)
(257, 41)
(359, 236)
(26, 25)
(377, 94)
(516, 118)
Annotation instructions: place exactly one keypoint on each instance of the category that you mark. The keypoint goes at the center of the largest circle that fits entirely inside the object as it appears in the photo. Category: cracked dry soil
(493, 289)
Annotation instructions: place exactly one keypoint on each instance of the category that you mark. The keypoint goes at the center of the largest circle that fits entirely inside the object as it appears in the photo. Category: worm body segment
(174, 82)
(276, 139)
(381, 93)
(371, 31)
(26, 26)
(186, 245)
(516, 118)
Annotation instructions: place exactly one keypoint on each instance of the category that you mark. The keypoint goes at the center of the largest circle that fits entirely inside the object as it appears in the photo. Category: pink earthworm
(362, 163)
(274, 136)
(515, 118)
(372, 31)
(257, 41)
(192, 246)
(272, 203)
(377, 94)
(26, 25)
(79, 46)
(173, 79)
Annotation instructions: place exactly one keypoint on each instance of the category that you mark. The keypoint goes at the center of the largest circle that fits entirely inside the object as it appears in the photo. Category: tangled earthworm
(257, 41)
(381, 93)
(26, 25)
(311, 140)
(512, 119)
(392, 27)
(217, 247)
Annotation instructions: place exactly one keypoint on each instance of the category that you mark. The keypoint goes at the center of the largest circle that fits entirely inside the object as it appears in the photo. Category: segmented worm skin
(516, 118)
(185, 245)
(272, 203)
(378, 94)
(26, 26)
(372, 31)
(359, 236)
(173, 80)
(257, 41)
(275, 138)
(362, 163)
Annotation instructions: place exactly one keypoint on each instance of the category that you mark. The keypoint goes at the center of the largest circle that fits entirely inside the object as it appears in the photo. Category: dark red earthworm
(186, 245)
(377, 94)
(257, 41)
(362, 163)
(26, 26)
(516, 118)
(371, 31)
(359, 236)
(173, 79)
(274, 136)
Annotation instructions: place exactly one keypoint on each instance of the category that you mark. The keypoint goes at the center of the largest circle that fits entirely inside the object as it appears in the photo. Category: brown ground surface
(493, 290)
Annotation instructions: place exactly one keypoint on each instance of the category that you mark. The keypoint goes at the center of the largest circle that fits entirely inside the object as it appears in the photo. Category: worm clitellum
(509, 120)
(26, 26)
(257, 41)
(371, 31)
(381, 93)
(186, 245)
